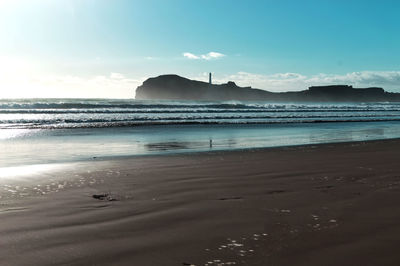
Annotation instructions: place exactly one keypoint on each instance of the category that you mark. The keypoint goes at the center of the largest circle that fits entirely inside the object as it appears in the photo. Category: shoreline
(322, 204)
(227, 151)
(199, 152)
(47, 146)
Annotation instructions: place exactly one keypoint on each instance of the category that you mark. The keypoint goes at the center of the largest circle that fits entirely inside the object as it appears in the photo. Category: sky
(106, 48)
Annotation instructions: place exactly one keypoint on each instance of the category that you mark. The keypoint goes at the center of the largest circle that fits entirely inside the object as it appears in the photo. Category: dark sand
(332, 204)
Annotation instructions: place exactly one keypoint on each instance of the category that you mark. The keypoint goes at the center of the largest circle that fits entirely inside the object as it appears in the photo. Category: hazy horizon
(105, 49)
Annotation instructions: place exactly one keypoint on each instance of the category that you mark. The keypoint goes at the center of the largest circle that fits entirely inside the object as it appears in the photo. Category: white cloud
(212, 55)
(116, 76)
(389, 80)
(191, 56)
(151, 58)
(114, 85)
(370, 78)
(208, 56)
(20, 78)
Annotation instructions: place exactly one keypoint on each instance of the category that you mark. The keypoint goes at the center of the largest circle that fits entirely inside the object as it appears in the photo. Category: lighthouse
(209, 78)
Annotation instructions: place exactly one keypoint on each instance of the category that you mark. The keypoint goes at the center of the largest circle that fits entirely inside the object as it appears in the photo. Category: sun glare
(14, 77)
(21, 79)
(4, 3)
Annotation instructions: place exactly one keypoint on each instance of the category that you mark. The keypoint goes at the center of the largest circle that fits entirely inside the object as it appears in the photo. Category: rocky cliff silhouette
(174, 87)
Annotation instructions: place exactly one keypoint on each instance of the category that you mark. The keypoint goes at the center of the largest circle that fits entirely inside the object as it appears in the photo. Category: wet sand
(330, 204)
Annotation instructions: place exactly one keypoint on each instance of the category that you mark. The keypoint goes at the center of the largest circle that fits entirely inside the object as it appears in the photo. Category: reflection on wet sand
(60, 146)
(174, 145)
(339, 135)
(188, 145)
(333, 136)
(374, 132)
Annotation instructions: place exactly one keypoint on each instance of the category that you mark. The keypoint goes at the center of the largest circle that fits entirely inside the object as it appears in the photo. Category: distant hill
(174, 87)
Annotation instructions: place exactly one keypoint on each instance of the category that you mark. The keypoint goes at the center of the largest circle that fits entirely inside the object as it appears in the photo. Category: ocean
(45, 131)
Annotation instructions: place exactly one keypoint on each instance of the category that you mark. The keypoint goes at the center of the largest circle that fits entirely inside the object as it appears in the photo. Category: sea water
(43, 131)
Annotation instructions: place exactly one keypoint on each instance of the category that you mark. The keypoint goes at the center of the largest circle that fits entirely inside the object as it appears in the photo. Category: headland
(174, 87)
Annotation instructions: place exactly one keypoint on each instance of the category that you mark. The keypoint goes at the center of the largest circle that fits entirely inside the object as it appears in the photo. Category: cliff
(174, 87)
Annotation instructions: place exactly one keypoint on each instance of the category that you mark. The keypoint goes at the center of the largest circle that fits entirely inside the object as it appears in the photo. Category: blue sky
(104, 48)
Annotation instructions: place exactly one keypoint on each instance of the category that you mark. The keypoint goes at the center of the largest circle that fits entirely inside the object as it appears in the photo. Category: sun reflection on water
(6, 134)
(26, 170)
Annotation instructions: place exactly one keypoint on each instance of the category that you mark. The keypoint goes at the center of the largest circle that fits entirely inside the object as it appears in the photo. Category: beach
(325, 204)
(199, 133)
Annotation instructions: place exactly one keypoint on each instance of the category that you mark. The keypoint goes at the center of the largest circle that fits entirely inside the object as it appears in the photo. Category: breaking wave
(86, 113)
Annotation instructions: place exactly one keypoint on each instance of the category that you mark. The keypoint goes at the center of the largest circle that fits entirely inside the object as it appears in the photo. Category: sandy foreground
(331, 204)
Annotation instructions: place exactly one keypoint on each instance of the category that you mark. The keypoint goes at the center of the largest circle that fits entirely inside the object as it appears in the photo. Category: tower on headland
(209, 78)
